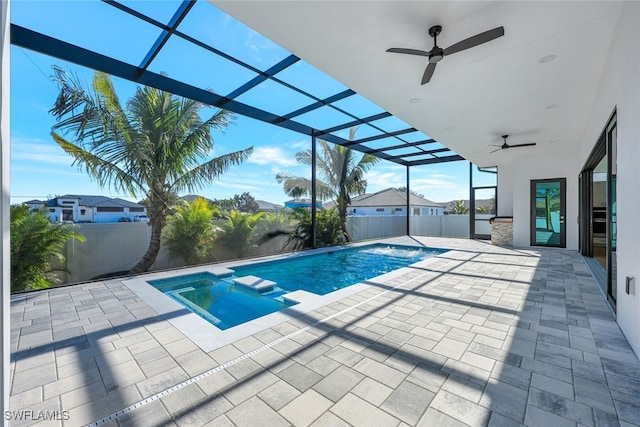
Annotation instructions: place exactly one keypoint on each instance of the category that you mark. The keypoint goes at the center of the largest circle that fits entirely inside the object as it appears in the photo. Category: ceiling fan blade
(428, 72)
(495, 145)
(408, 51)
(495, 150)
(522, 145)
(474, 41)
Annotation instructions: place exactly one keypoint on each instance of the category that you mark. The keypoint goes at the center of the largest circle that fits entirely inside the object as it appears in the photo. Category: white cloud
(304, 144)
(38, 151)
(271, 156)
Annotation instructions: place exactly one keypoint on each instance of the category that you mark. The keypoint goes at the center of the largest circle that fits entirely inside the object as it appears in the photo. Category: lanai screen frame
(140, 74)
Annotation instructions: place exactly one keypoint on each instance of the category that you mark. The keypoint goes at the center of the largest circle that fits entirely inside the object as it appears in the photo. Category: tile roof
(101, 201)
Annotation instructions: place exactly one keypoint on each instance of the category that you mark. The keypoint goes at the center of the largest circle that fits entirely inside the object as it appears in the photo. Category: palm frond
(104, 172)
(209, 171)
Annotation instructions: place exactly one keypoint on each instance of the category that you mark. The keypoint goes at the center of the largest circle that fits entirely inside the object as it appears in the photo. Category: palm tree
(190, 234)
(152, 147)
(35, 244)
(237, 238)
(458, 208)
(342, 176)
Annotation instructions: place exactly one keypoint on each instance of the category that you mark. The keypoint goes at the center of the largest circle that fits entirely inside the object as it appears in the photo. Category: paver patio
(481, 336)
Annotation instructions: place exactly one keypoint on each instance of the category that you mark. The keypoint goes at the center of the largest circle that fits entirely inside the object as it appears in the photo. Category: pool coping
(208, 337)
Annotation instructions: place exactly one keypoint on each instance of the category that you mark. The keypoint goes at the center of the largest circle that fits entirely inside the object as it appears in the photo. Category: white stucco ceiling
(475, 95)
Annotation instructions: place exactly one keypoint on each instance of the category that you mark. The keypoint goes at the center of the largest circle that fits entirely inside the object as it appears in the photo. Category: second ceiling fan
(505, 146)
(436, 54)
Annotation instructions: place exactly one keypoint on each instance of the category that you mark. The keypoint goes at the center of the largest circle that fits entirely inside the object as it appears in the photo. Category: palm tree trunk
(342, 214)
(152, 251)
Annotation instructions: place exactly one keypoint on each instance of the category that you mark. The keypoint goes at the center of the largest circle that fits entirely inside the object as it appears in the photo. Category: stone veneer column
(502, 231)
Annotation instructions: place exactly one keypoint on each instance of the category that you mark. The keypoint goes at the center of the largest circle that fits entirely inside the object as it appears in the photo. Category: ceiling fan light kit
(436, 54)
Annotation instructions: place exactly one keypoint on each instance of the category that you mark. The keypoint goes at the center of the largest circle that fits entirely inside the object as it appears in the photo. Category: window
(136, 209)
(52, 210)
(66, 202)
(110, 209)
(398, 209)
(83, 211)
(379, 209)
(416, 211)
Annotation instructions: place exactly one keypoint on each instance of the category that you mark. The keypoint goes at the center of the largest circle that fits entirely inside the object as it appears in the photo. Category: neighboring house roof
(97, 201)
(34, 202)
(268, 205)
(391, 197)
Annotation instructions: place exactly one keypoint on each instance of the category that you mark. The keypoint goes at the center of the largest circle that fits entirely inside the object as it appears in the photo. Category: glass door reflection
(548, 212)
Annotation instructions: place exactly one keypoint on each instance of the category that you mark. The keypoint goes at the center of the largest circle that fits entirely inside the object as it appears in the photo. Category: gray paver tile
(628, 413)
(255, 412)
(278, 394)
(594, 394)
(244, 368)
(560, 406)
(183, 399)
(202, 412)
(552, 385)
(35, 377)
(498, 420)
(249, 386)
(149, 414)
(121, 375)
(380, 372)
(372, 391)
(505, 399)
(536, 417)
(461, 409)
(470, 388)
(329, 420)
(408, 402)
(221, 421)
(306, 408)
(338, 383)
(433, 417)
(299, 376)
(104, 406)
(356, 411)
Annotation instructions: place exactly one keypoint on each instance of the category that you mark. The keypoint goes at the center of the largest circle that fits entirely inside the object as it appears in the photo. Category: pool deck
(481, 335)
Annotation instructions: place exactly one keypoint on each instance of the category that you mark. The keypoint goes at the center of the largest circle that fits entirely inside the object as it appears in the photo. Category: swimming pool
(254, 290)
(330, 271)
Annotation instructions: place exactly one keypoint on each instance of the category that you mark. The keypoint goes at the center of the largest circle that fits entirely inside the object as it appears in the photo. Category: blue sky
(40, 169)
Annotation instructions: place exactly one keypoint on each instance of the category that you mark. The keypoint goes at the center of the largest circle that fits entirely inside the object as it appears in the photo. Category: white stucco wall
(620, 88)
(514, 183)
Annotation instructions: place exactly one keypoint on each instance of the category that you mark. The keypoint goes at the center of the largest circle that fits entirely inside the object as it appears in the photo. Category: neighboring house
(269, 207)
(301, 203)
(79, 208)
(392, 202)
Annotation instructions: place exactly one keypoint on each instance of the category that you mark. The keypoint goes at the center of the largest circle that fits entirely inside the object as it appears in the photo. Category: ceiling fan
(504, 145)
(436, 54)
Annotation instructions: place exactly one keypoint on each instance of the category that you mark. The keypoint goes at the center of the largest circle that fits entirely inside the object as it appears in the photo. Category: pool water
(219, 301)
(328, 272)
(225, 304)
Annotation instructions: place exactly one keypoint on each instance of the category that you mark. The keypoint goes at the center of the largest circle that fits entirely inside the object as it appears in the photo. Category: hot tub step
(255, 283)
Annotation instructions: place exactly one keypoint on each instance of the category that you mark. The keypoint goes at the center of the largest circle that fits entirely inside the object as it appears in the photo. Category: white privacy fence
(116, 247)
(372, 227)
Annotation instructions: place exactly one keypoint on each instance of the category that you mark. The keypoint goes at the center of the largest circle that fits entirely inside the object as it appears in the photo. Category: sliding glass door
(598, 212)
